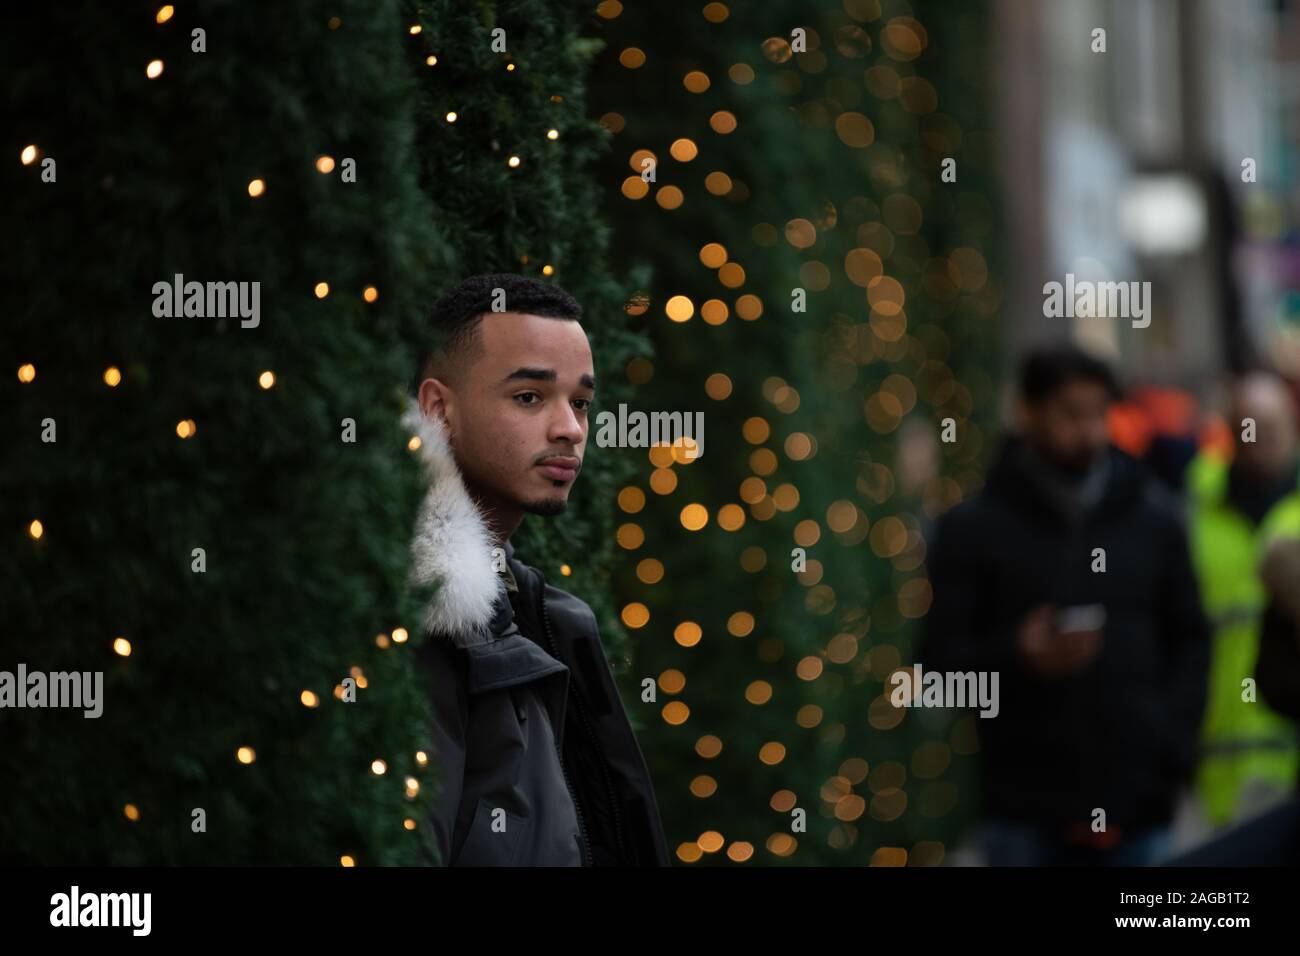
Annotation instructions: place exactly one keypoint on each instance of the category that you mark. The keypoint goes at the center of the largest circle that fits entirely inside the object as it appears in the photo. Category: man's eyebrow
(545, 375)
(531, 374)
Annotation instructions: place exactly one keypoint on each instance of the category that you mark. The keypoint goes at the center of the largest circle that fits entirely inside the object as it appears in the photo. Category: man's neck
(501, 522)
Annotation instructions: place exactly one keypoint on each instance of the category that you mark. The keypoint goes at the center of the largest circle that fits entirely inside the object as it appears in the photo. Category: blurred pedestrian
(1249, 751)
(1069, 574)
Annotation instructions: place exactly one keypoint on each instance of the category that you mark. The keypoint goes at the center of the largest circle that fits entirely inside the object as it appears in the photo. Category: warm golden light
(256, 188)
(636, 615)
(370, 294)
(630, 536)
(400, 635)
(112, 376)
(694, 517)
(309, 699)
(687, 634)
(36, 529)
(679, 308)
(713, 254)
(132, 811)
(26, 373)
(154, 69)
(266, 379)
(650, 571)
(29, 154)
(683, 150)
(164, 13)
(121, 647)
(676, 713)
(322, 289)
(634, 187)
(696, 81)
(379, 768)
(740, 624)
(246, 755)
(324, 164)
(717, 386)
(756, 430)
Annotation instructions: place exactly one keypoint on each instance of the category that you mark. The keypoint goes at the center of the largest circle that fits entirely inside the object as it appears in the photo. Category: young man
(537, 759)
(1099, 716)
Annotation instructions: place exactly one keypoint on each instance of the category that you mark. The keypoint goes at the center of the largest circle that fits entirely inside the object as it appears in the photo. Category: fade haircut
(1046, 370)
(457, 314)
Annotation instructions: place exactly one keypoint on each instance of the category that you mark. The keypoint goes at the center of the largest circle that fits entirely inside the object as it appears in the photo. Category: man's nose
(567, 425)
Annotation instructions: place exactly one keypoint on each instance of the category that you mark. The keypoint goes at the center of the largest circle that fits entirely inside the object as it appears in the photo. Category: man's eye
(528, 395)
(583, 403)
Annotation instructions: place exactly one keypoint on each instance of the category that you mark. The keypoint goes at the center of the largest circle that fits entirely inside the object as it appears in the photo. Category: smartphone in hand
(1081, 617)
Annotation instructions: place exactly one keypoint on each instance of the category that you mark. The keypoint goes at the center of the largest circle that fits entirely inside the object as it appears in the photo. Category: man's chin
(547, 507)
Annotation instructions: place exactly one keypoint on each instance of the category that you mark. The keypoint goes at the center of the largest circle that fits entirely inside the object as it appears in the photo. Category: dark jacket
(530, 731)
(1277, 670)
(1121, 734)
(535, 757)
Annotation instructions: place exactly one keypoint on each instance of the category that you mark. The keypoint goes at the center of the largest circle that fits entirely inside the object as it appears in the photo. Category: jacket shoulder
(531, 579)
(967, 516)
(1163, 503)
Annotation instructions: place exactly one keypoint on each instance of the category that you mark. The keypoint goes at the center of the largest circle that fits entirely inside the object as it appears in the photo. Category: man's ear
(432, 397)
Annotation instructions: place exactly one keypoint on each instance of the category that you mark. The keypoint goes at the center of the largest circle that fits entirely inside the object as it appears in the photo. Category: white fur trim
(451, 544)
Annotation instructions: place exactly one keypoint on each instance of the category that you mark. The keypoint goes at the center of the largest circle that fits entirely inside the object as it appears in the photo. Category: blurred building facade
(1129, 165)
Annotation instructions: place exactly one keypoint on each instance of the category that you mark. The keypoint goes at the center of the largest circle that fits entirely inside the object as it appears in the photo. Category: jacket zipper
(586, 843)
(591, 735)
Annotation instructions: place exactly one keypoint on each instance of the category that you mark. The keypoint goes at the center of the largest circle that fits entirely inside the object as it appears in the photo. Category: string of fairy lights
(895, 538)
(187, 429)
(890, 537)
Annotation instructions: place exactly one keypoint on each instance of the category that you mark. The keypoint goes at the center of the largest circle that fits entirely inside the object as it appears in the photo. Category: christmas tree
(232, 221)
(810, 184)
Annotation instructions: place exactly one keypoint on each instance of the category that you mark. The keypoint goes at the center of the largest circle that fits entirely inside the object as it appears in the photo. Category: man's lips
(562, 468)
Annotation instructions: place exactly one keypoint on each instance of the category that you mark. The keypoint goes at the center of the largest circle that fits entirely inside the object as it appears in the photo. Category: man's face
(518, 415)
(1068, 427)
(1264, 399)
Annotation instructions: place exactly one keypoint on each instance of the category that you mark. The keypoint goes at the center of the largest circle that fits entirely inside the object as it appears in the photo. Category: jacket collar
(1016, 480)
(451, 548)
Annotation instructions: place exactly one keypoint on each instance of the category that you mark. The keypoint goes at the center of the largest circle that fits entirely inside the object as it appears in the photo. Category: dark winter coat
(1121, 734)
(536, 758)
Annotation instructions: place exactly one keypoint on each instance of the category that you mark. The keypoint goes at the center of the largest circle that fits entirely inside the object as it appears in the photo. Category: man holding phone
(1069, 574)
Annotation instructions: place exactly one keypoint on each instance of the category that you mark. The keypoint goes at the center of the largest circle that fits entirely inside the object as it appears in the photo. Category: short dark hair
(456, 315)
(1046, 369)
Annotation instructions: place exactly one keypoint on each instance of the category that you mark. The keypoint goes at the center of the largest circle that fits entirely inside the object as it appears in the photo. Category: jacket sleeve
(1184, 634)
(1277, 672)
(450, 718)
(958, 634)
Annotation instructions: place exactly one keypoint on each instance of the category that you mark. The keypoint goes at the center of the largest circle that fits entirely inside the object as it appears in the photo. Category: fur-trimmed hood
(451, 547)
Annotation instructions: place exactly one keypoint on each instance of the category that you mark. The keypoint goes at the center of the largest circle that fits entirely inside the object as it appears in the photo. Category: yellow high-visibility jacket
(1244, 740)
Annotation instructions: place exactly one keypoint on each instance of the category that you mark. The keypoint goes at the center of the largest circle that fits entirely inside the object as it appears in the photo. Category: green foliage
(807, 684)
(543, 212)
(305, 535)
